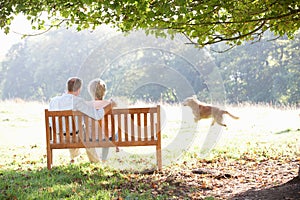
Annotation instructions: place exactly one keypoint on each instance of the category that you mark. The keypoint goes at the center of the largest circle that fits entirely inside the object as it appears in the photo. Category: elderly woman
(97, 89)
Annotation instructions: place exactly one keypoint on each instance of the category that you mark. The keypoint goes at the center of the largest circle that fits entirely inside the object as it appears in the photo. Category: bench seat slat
(73, 120)
(132, 131)
(146, 137)
(152, 123)
(134, 110)
(53, 129)
(67, 124)
(126, 127)
(101, 144)
(80, 129)
(60, 124)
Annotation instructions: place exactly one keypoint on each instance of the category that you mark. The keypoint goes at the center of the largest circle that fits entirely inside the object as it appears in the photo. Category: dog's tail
(231, 115)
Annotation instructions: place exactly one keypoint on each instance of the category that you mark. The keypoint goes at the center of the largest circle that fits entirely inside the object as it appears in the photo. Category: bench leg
(49, 158)
(158, 157)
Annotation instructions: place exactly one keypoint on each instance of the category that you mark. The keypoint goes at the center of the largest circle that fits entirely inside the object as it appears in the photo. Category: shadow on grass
(89, 181)
(72, 181)
(289, 190)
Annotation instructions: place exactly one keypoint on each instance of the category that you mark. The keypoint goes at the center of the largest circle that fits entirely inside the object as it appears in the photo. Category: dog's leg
(196, 117)
(219, 119)
(213, 122)
(222, 124)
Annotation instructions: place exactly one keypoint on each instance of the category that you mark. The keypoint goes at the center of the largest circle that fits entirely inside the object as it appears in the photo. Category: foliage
(203, 21)
(267, 71)
(37, 68)
(262, 72)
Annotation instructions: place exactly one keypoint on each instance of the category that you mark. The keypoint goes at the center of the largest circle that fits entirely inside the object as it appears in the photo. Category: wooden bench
(123, 127)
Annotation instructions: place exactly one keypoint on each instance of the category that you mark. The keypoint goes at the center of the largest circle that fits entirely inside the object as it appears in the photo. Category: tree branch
(218, 39)
(40, 33)
(293, 12)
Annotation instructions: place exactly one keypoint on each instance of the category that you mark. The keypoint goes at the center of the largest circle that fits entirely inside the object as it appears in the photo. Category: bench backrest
(120, 127)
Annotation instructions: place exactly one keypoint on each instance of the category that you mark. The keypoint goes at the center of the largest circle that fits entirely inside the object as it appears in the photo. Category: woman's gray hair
(97, 89)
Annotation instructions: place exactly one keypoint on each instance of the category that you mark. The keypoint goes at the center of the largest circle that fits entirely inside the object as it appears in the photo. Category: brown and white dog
(204, 111)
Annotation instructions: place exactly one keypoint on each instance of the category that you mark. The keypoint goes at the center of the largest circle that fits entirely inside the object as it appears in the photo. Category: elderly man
(71, 101)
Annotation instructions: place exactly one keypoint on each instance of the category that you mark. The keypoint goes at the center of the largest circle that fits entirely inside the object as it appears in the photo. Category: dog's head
(190, 101)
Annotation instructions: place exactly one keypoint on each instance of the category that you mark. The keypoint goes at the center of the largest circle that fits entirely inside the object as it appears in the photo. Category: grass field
(262, 132)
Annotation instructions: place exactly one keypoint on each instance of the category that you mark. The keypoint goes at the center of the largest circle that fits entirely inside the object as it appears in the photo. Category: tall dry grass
(22, 131)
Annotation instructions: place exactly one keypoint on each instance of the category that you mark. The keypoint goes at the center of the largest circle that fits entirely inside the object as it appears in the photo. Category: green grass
(261, 133)
(65, 182)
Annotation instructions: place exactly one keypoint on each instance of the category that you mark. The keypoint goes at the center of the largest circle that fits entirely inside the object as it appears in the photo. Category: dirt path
(221, 179)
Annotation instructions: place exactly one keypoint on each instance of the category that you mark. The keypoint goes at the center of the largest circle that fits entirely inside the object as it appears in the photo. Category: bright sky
(18, 27)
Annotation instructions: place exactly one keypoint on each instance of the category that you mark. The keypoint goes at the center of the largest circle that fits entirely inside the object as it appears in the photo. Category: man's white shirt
(71, 102)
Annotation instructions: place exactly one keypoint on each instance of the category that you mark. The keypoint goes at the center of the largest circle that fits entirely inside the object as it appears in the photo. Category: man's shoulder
(63, 102)
(61, 97)
(55, 98)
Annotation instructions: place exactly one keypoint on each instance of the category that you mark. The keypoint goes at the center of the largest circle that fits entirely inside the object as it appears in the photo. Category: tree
(261, 72)
(204, 22)
(36, 68)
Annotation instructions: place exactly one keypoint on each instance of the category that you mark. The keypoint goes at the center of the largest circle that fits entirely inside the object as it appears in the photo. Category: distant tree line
(37, 68)
(267, 71)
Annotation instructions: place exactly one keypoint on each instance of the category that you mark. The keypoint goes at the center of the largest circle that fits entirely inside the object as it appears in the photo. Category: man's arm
(89, 108)
(104, 103)
(110, 104)
(99, 103)
(94, 109)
